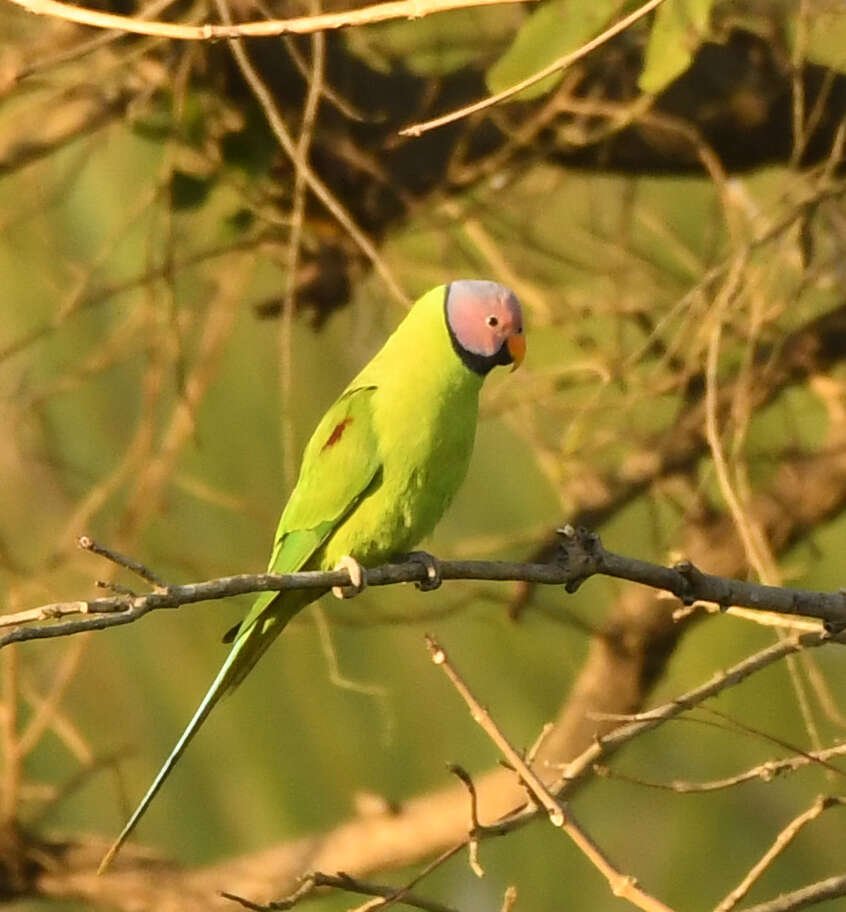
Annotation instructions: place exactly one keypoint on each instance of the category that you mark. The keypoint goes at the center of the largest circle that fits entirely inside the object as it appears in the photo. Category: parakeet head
(485, 323)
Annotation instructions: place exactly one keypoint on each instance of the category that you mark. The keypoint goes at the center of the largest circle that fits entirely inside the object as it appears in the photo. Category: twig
(557, 815)
(88, 544)
(784, 838)
(398, 894)
(819, 892)
(586, 762)
(764, 772)
(580, 766)
(340, 881)
(73, 784)
(292, 259)
(317, 186)
(559, 64)
(475, 826)
(47, 708)
(105, 293)
(300, 25)
(622, 885)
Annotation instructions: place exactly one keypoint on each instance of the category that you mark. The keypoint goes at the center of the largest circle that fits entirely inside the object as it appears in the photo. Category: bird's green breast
(425, 409)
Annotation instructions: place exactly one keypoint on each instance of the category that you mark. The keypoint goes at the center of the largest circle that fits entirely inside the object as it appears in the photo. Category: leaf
(826, 40)
(187, 191)
(677, 31)
(553, 30)
(435, 45)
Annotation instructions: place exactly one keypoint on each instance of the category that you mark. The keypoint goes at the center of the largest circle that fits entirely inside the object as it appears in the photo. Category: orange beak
(517, 349)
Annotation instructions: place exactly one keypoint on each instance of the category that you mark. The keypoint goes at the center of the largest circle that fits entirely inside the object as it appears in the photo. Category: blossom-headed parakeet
(381, 467)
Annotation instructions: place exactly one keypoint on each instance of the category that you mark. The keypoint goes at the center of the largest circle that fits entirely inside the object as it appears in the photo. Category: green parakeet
(381, 467)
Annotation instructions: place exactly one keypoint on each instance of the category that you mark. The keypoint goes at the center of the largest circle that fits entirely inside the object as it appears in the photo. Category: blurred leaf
(248, 148)
(436, 45)
(241, 220)
(677, 31)
(188, 191)
(193, 122)
(826, 41)
(155, 122)
(553, 30)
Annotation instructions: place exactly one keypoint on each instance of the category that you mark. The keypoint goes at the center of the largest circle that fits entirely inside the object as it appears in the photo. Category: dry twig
(341, 881)
(622, 885)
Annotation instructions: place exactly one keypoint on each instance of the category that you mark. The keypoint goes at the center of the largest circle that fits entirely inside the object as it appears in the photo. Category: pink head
(485, 323)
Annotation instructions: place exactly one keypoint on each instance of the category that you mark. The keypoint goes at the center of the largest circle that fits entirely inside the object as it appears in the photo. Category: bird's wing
(339, 464)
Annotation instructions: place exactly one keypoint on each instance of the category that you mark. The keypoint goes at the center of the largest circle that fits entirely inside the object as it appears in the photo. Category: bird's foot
(433, 570)
(358, 578)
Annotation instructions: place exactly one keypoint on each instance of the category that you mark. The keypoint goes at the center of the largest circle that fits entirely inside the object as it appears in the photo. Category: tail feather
(250, 645)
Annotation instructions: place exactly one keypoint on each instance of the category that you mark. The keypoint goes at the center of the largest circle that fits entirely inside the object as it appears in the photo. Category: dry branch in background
(623, 885)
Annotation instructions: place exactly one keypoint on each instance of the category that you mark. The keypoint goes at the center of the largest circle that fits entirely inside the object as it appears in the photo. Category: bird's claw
(358, 578)
(433, 570)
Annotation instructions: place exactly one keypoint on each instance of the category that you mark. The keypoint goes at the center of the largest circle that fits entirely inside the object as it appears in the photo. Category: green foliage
(435, 45)
(249, 147)
(826, 36)
(187, 191)
(552, 30)
(678, 29)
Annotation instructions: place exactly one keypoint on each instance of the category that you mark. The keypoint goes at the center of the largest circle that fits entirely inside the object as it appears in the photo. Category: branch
(303, 169)
(764, 772)
(581, 555)
(583, 765)
(819, 892)
(340, 881)
(622, 885)
(784, 838)
(556, 66)
(300, 25)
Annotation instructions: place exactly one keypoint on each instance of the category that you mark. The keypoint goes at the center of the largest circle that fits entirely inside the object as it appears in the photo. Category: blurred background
(183, 297)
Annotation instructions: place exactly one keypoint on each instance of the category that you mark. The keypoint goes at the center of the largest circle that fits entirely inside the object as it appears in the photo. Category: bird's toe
(358, 578)
(433, 570)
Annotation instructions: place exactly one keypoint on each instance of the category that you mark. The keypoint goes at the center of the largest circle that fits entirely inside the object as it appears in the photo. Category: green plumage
(376, 476)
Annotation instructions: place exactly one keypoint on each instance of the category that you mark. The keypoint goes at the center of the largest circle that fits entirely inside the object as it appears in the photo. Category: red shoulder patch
(337, 433)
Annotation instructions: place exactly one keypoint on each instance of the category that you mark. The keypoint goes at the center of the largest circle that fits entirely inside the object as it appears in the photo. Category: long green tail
(249, 646)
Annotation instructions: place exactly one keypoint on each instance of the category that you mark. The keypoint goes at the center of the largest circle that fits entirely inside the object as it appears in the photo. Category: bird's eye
(492, 321)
